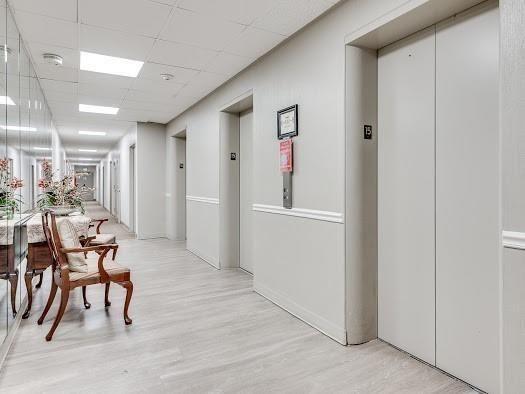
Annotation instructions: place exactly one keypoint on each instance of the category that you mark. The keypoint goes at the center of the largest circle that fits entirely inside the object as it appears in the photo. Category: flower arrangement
(9, 201)
(60, 193)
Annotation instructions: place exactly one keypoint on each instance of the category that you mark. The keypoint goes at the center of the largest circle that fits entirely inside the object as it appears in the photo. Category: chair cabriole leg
(28, 278)
(106, 298)
(50, 300)
(87, 305)
(128, 285)
(64, 296)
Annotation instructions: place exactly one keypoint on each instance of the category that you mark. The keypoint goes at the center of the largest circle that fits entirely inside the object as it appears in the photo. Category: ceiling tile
(228, 64)
(168, 2)
(49, 71)
(141, 115)
(159, 85)
(54, 95)
(153, 70)
(59, 86)
(90, 89)
(142, 95)
(113, 81)
(47, 30)
(62, 9)
(164, 106)
(240, 11)
(291, 15)
(254, 43)
(212, 32)
(203, 84)
(114, 43)
(134, 16)
(181, 55)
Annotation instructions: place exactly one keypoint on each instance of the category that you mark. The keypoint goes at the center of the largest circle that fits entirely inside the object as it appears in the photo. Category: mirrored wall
(25, 141)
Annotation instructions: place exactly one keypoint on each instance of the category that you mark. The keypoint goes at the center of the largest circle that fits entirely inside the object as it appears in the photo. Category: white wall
(119, 152)
(58, 154)
(299, 263)
(123, 152)
(151, 180)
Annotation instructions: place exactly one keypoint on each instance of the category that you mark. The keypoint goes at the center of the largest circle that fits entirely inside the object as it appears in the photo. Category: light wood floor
(197, 330)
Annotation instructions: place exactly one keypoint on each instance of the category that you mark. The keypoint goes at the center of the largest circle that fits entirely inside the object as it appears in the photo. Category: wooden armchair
(99, 271)
(101, 238)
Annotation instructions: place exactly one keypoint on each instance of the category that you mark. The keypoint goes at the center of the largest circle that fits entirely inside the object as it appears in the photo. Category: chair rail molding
(206, 200)
(326, 216)
(513, 239)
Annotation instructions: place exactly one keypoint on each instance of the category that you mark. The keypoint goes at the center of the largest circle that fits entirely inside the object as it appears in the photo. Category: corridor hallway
(195, 330)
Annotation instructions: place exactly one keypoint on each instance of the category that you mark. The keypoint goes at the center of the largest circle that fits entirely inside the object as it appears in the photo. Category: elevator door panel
(467, 202)
(406, 195)
(246, 190)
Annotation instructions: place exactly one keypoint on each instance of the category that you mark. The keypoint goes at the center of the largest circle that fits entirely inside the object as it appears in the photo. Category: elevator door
(246, 190)
(438, 202)
(467, 186)
(406, 248)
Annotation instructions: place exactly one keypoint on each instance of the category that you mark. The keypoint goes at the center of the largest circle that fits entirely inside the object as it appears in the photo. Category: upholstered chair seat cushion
(69, 239)
(103, 239)
(92, 268)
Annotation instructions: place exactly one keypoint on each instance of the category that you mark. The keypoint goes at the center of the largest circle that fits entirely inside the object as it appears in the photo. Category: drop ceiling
(202, 43)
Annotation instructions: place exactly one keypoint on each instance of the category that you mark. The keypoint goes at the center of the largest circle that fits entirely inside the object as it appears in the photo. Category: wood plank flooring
(197, 330)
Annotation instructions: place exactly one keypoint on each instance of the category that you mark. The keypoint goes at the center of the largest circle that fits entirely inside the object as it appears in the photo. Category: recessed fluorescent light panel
(109, 64)
(84, 159)
(98, 109)
(87, 132)
(39, 148)
(6, 100)
(18, 128)
(87, 150)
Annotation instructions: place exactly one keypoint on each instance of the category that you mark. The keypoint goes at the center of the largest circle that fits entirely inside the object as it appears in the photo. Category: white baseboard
(319, 323)
(203, 256)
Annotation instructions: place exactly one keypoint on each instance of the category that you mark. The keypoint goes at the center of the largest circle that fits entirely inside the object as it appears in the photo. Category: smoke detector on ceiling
(53, 59)
(166, 77)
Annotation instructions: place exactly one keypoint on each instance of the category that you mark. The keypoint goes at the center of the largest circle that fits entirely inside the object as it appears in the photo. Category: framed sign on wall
(287, 122)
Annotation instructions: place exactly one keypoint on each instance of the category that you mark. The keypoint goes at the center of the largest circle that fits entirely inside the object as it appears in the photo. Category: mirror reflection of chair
(9, 272)
(13, 250)
(98, 270)
(102, 238)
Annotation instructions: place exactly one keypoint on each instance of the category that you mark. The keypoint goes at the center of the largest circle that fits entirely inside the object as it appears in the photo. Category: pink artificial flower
(4, 164)
(16, 183)
(46, 166)
(43, 184)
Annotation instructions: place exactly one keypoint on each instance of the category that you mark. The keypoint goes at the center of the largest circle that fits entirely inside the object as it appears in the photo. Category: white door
(246, 190)
(406, 248)
(467, 186)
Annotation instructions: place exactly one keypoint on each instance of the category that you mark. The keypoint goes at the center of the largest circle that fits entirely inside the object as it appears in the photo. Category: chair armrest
(100, 221)
(85, 241)
(104, 249)
(97, 248)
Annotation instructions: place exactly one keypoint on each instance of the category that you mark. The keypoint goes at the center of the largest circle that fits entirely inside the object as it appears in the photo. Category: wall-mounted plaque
(287, 122)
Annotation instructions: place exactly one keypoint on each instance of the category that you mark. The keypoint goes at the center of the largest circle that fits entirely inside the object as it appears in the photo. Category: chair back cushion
(69, 239)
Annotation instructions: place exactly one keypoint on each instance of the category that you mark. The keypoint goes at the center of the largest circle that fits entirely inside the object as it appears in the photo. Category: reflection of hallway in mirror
(95, 211)
(86, 179)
